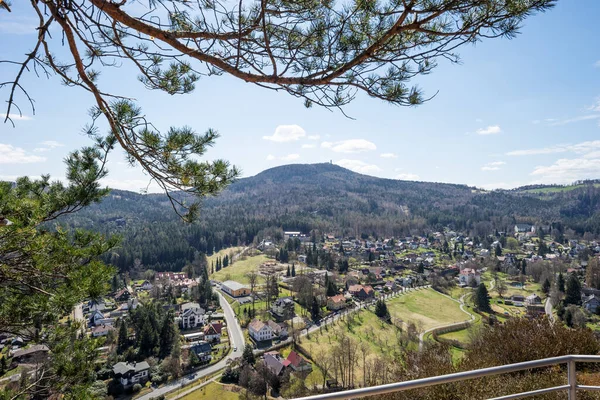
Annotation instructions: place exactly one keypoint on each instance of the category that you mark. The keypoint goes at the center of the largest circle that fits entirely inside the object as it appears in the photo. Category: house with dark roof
(102, 330)
(122, 295)
(191, 316)
(202, 350)
(131, 373)
(282, 309)
(274, 362)
(32, 355)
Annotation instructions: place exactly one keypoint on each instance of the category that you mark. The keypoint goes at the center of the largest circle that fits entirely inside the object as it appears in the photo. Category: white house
(130, 374)
(260, 331)
(146, 285)
(192, 315)
(468, 275)
(533, 299)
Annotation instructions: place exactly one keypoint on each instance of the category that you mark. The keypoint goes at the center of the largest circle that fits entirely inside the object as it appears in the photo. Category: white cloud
(351, 146)
(358, 166)
(567, 170)
(16, 155)
(579, 148)
(286, 133)
(48, 145)
(490, 130)
(479, 120)
(290, 157)
(314, 137)
(576, 119)
(493, 166)
(597, 64)
(17, 117)
(595, 106)
(309, 146)
(388, 155)
(407, 177)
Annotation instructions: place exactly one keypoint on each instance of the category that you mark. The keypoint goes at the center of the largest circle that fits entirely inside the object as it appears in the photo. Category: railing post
(572, 377)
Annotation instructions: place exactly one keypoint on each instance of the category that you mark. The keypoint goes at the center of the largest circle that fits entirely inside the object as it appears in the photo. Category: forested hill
(331, 199)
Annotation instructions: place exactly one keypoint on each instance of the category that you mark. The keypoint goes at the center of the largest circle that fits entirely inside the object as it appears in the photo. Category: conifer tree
(288, 273)
(381, 310)
(123, 338)
(482, 300)
(293, 269)
(560, 283)
(573, 292)
(546, 286)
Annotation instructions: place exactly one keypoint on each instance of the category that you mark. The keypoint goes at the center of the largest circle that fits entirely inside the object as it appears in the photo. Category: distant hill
(328, 198)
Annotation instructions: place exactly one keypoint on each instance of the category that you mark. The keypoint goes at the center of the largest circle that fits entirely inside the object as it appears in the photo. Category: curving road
(462, 308)
(236, 338)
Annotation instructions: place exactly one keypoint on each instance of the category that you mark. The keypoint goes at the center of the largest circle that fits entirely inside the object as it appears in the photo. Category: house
(235, 289)
(485, 253)
(533, 299)
(302, 258)
(202, 350)
(122, 295)
(146, 285)
(524, 228)
(33, 355)
(274, 362)
(391, 286)
(518, 300)
(259, 331)
(102, 330)
(171, 276)
(591, 304)
(212, 332)
(279, 330)
(96, 318)
(362, 292)
(130, 374)
(192, 315)
(335, 303)
(283, 308)
(535, 310)
(298, 363)
(468, 276)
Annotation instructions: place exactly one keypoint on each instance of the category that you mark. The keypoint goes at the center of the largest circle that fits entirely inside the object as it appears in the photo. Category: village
(285, 306)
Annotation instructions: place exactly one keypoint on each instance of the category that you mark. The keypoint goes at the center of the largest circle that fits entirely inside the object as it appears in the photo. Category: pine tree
(168, 335)
(123, 339)
(288, 273)
(193, 359)
(381, 310)
(293, 270)
(546, 286)
(114, 283)
(498, 250)
(482, 301)
(315, 310)
(248, 355)
(330, 287)
(560, 284)
(573, 292)
(225, 261)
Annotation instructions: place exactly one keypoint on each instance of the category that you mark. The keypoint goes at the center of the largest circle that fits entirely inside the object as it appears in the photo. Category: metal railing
(571, 387)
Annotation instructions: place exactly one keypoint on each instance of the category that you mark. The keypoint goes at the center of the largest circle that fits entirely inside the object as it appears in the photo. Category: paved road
(462, 308)
(236, 338)
(548, 309)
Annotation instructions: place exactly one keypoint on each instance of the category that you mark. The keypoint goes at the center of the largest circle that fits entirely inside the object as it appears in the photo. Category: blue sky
(515, 112)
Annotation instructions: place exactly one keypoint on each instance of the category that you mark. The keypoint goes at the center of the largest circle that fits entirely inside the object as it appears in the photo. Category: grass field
(427, 309)
(213, 391)
(222, 253)
(237, 272)
(462, 336)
